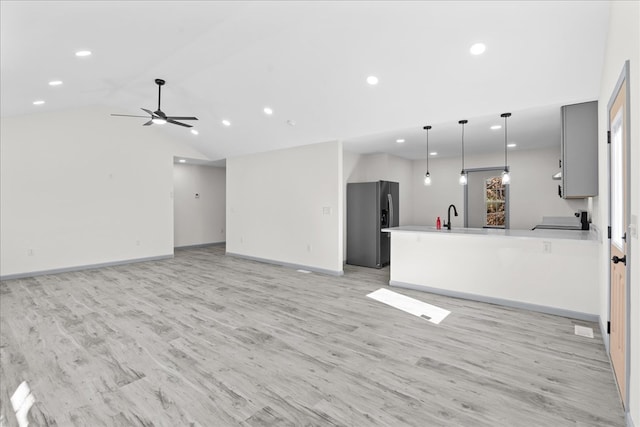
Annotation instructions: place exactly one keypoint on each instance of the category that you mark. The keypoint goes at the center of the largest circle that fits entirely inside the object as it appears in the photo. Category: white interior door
(618, 116)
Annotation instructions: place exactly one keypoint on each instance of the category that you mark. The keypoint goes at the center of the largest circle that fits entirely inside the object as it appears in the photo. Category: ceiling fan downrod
(160, 83)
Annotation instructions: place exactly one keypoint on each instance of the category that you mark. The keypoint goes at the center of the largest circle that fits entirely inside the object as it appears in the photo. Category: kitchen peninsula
(552, 271)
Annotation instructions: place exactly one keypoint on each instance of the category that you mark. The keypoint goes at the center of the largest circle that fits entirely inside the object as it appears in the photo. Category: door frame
(507, 187)
(623, 78)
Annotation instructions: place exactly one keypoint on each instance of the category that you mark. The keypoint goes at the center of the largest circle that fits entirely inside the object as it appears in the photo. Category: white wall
(351, 172)
(198, 220)
(80, 188)
(532, 194)
(286, 206)
(623, 44)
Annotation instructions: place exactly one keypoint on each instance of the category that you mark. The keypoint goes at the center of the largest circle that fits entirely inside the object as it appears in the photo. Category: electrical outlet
(222, 231)
(546, 247)
(30, 252)
(326, 210)
(137, 242)
(309, 248)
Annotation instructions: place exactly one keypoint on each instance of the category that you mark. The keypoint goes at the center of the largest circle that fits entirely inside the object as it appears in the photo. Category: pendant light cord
(463, 122)
(505, 143)
(505, 115)
(463, 147)
(427, 129)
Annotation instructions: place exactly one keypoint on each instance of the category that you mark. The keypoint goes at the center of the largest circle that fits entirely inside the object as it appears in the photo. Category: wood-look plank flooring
(210, 340)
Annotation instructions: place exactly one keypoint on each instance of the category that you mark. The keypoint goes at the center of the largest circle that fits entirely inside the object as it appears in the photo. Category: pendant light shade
(427, 176)
(506, 178)
(463, 173)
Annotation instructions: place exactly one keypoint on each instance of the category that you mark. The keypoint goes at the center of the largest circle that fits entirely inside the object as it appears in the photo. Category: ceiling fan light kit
(158, 116)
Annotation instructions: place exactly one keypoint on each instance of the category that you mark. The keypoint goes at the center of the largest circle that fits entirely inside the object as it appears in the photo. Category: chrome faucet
(455, 212)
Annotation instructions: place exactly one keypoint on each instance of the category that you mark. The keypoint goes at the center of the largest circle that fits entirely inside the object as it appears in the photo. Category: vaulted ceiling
(308, 61)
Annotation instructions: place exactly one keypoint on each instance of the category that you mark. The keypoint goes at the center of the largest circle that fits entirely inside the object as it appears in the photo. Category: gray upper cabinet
(579, 150)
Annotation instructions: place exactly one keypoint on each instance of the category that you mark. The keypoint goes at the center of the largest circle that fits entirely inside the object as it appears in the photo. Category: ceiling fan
(158, 116)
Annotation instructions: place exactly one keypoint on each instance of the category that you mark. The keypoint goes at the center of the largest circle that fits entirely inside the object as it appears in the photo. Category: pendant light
(463, 173)
(505, 173)
(427, 177)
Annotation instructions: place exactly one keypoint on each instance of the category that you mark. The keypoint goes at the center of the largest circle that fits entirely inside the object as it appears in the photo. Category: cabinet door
(580, 150)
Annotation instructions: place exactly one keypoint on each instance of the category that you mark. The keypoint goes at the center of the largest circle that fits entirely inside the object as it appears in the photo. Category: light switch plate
(633, 226)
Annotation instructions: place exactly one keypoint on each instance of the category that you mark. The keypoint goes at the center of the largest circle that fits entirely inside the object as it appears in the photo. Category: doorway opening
(486, 199)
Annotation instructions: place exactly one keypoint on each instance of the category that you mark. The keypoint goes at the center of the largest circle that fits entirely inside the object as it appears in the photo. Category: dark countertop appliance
(580, 221)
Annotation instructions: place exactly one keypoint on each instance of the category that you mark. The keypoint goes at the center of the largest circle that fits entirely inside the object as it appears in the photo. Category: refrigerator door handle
(390, 207)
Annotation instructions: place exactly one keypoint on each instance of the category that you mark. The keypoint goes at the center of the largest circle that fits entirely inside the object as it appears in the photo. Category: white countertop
(497, 232)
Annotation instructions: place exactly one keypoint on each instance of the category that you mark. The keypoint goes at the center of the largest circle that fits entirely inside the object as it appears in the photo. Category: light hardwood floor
(209, 340)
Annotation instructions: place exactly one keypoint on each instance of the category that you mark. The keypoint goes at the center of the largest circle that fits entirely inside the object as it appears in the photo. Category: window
(617, 187)
(494, 202)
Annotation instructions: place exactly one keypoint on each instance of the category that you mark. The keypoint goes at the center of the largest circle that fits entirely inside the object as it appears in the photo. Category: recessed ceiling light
(268, 111)
(194, 131)
(513, 144)
(182, 161)
(226, 122)
(372, 80)
(38, 102)
(433, 153)
(478, 49)
(400, 141)
(496, 127)
(83, 53)
(55, 82)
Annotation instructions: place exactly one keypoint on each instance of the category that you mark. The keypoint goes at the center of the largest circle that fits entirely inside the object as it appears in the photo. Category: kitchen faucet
(455, 212)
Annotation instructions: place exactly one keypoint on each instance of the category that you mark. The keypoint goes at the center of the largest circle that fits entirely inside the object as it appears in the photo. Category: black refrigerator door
(363, 224)
(394, 191)
(388, 199)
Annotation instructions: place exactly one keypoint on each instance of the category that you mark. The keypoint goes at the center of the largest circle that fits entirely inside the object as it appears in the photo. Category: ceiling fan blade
(178, 123)
(149, 123)
(181, 118)
(126, 115)
(148, 112)
(160, 113)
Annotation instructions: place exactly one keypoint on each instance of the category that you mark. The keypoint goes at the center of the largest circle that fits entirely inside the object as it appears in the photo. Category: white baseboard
(200, 245)
(82, 267)
(499, 301)
(288, 265)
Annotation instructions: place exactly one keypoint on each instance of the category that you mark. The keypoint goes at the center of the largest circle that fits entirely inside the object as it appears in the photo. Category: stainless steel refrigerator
(371, 206)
